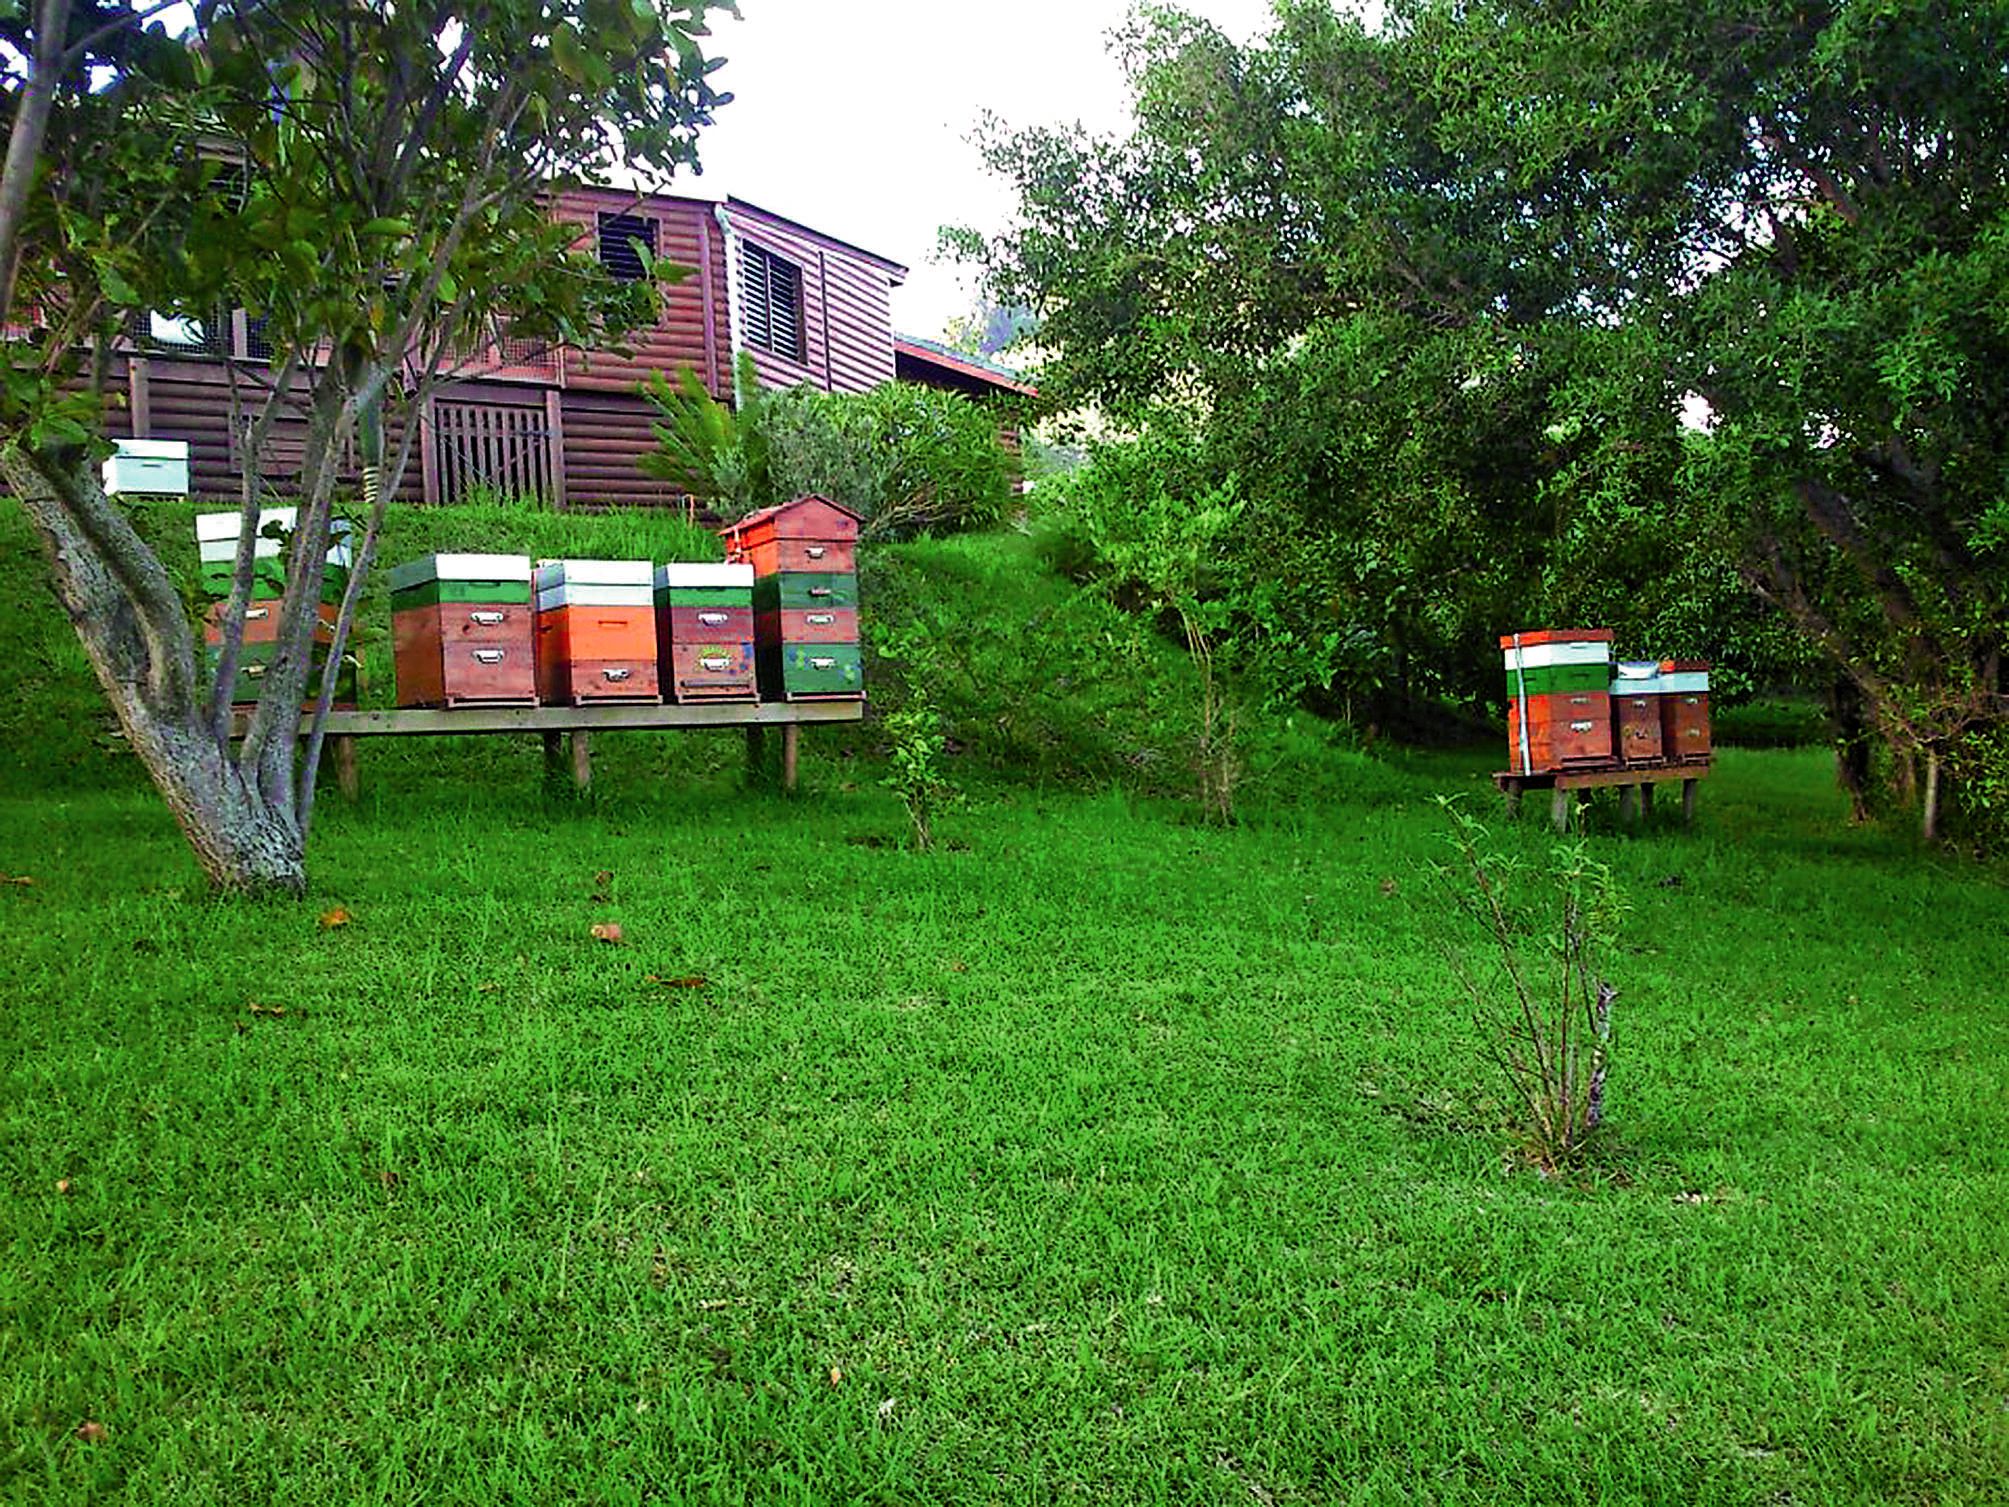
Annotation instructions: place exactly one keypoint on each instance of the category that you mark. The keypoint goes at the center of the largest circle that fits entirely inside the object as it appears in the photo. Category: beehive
(1685, 710)
(596, 631)
(156, 468)
(1558, 698)
(216, 537)
(1636, 697)
(216, 547)
(704, 632)
(463, 632)
(805, 598)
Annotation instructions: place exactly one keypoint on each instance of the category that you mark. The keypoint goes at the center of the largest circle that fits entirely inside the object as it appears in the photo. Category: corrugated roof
(938, 354)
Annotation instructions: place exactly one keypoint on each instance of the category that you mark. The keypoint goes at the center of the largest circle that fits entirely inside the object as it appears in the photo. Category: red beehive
(1558, 698)
(1636, 708)
(461, 631)
(1685, 709)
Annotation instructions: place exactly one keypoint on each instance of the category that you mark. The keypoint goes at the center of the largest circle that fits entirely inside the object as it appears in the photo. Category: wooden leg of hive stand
(756, 756)
(1512, 791)
(1688, 802)
(791, 741)
(343, 748)
(1646, 799)
(1628, 803)
(554, 760)
(1559, 808)
(582, 759)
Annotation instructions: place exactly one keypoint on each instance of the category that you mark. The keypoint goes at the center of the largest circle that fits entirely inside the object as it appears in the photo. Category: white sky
(855, 119)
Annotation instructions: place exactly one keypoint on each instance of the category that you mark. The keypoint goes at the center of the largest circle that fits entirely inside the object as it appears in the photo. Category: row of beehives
(1570, 706)
(778, 621)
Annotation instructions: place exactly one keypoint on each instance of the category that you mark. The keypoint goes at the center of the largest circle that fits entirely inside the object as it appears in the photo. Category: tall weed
(1537, 986)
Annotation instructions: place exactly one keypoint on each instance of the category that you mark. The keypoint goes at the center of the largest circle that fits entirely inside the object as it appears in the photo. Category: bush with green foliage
(1538, 990)
(907, 459)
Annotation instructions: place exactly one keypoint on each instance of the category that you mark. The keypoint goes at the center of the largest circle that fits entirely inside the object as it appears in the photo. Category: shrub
(917, 737)
(906, 459)
(1542, 1004)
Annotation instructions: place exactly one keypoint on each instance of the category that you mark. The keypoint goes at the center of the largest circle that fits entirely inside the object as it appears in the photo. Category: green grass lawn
(1101, 1158)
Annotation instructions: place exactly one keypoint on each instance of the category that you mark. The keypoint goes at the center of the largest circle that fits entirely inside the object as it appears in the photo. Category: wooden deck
(1636, 785)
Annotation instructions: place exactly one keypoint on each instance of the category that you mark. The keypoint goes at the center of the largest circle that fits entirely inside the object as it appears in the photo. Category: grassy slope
(1107, 1159)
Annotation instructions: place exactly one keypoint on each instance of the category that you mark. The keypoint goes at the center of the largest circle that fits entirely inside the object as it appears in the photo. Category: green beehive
(216, 545)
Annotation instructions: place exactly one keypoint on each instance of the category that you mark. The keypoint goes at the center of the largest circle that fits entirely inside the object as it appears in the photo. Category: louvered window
(618, 235)
(772, 306)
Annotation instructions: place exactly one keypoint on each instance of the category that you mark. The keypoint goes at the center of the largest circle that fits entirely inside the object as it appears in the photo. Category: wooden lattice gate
(490, 447)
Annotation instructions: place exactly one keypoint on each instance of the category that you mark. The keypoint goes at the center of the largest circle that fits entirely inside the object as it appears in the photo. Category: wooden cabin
(563, 425)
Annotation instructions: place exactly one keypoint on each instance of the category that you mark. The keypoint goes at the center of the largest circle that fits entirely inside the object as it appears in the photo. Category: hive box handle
(823, 619)
(713, 619)
(490, 656)
(486, 619)
(617, 674)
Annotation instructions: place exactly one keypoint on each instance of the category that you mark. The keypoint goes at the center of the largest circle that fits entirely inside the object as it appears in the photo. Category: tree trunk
(140, 647)
(1929, 818)
(1852, 745)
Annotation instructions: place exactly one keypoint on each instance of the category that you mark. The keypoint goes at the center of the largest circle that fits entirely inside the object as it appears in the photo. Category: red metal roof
(965, 366)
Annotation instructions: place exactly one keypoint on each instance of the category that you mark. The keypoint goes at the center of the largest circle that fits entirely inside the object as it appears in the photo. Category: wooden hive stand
(1636, 787)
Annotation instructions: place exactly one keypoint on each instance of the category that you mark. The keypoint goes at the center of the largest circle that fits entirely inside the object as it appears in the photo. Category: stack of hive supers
(704, 632)
(596, 631)
(1636, 704)
(1684, 687)
(462, 630)
(216, 537)
(1558, 698)
(805, 597)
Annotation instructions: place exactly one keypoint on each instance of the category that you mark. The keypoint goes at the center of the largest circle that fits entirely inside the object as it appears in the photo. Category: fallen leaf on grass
(388, 1178)
(686, 981)
(330, 919)
(1389, 886)
(713, 1305)
(608, 932)
(886, 1408)
(93, 1432)
(258, 1009)
(15, 879)
(63, 1186)
(603, 885)
(836, 1376)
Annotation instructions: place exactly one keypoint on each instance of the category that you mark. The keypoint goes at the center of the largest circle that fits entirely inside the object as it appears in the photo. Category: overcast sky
(855, 118)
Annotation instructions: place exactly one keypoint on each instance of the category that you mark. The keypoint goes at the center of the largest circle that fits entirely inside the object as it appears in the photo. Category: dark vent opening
(618, 235)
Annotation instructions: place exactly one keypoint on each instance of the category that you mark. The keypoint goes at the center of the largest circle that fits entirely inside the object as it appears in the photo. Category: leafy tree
(368, 178)
(1439, 288)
